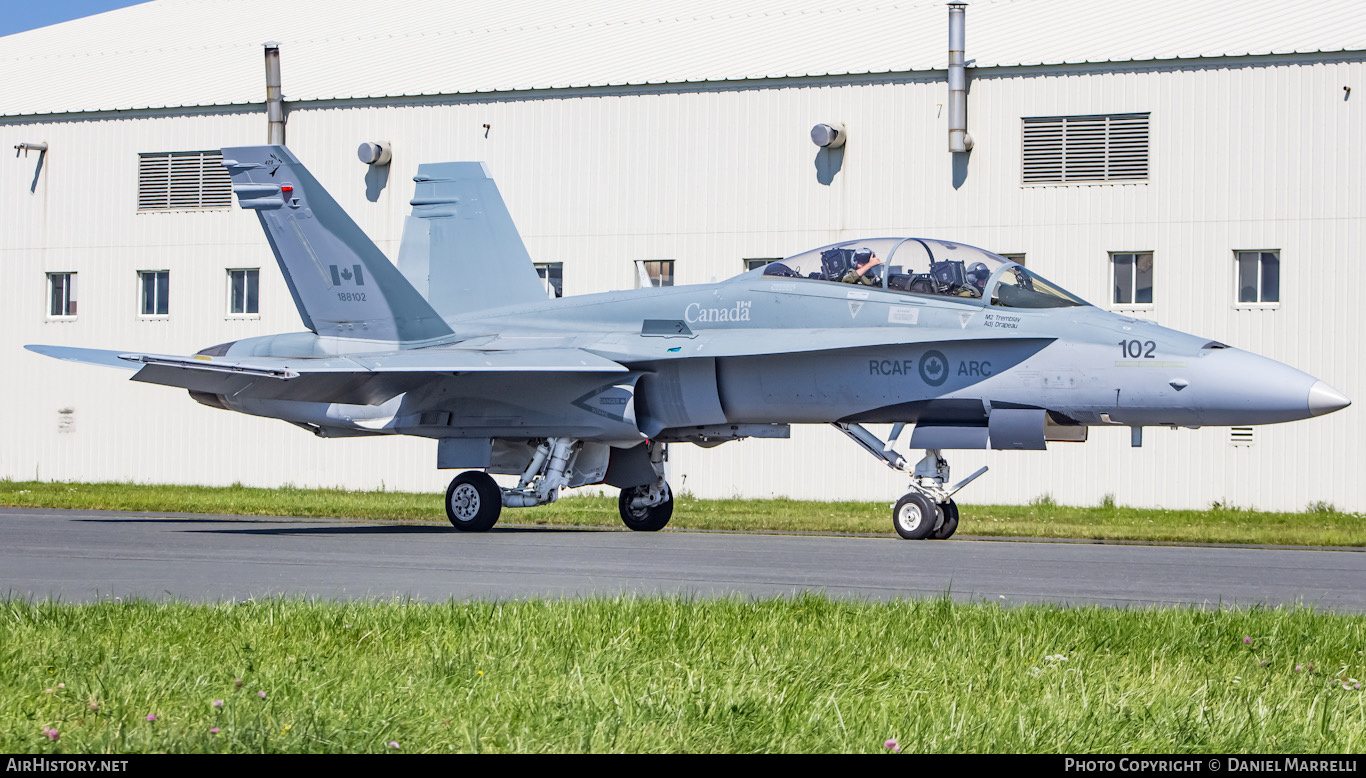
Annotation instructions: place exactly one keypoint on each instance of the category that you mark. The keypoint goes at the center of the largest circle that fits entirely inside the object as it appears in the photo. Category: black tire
(914, 516)
(648, 519)
(473, 502)
(950, 523)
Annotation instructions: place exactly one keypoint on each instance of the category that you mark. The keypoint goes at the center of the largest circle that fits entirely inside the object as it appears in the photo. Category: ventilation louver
(183, 180)
(1086, 149)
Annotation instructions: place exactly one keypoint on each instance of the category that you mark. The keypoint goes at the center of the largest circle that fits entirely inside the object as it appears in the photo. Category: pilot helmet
(979, 272)
(863, 256)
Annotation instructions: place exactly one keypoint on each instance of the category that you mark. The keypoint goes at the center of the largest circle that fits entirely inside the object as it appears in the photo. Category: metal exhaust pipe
(959, 139)
(275, 102)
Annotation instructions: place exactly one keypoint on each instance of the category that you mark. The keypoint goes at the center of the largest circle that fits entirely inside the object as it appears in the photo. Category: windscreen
(1021, 288)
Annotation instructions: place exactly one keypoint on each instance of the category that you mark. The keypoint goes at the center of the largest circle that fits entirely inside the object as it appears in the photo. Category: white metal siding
(171, 53)
(1250, 154)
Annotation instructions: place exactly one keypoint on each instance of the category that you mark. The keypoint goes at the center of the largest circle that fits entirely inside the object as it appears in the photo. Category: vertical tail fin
(341, 282)
(460, 247)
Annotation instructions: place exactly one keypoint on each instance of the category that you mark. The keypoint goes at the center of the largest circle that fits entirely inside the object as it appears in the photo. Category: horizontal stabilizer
(89, 356)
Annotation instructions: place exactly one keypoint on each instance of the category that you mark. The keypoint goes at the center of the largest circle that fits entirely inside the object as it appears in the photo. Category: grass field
(1321, 526)
(806, 674)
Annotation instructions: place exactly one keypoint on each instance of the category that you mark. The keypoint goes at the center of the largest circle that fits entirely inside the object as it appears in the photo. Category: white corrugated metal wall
(1253, 153)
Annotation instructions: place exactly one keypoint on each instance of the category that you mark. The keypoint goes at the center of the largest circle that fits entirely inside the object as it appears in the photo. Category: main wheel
(473, 502)
(950, 523)
(914, 516)
(649, 518)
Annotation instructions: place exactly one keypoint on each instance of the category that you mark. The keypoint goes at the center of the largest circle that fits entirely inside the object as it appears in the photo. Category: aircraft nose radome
(1324, 399)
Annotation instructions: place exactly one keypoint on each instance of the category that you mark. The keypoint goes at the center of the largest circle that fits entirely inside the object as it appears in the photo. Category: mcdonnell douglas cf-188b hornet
(459, 343)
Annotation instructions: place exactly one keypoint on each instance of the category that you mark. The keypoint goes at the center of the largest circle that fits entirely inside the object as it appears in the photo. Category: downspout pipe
(959, 139)
(275, 102)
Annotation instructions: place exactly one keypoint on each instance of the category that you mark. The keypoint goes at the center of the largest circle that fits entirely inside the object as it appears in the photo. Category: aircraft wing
(355, 378)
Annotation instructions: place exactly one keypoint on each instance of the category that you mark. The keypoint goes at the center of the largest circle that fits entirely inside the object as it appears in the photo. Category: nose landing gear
(927, 510)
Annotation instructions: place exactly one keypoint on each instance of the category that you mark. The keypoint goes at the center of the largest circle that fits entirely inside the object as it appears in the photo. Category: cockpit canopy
(928, 267)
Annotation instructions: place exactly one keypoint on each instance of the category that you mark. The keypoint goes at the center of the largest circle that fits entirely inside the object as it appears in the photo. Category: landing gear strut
(927, 510)
(474, 499)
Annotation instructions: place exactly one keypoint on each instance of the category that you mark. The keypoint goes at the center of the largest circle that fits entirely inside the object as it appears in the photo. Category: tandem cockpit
(925, 266)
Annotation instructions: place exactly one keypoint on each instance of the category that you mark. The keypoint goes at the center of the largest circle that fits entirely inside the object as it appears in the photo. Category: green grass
(1320, 525)
(806, 674)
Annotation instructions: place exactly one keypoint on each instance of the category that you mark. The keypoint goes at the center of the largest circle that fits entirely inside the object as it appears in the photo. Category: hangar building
(1200, 164)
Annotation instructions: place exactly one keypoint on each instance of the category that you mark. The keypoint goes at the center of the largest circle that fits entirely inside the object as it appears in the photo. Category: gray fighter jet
(459, 343)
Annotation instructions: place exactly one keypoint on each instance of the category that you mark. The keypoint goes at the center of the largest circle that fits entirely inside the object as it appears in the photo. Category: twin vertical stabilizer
(460, 247)
(342, 283)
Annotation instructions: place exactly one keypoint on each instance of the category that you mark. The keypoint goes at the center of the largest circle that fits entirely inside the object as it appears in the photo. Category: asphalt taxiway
(82, 556)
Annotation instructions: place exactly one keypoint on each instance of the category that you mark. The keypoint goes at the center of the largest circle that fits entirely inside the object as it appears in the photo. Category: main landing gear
(649, 507)
(474, 500)
(927, 510)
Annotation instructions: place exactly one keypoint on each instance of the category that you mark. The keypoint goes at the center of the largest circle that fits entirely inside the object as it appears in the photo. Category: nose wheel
(914, 517)
(948, 521)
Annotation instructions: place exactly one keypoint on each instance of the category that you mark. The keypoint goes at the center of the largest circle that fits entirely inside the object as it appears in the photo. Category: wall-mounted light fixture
(27, 147)
(829, 136)
(378, 153)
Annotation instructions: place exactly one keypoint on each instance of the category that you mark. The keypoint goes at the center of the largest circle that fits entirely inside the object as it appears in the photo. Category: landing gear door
(1018, 429)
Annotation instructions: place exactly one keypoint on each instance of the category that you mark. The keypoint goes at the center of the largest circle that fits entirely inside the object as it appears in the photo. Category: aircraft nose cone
(1324, 399)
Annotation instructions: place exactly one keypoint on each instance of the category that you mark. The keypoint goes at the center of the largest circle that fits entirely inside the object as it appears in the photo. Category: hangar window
(1085, 149)
(61, 295)
(552, 278)
(753, 264)
(244, 292)
(1133, 274)
(654, 272)
(155, 288)
(183, 181)
(1258, 278)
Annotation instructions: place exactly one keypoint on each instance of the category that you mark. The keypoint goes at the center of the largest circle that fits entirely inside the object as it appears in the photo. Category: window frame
(246, 293)
(546, 280)
(142, 274)
(69, 297)
(645, 263)
(1133, 289)
(1260, 305)
(750, 262)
